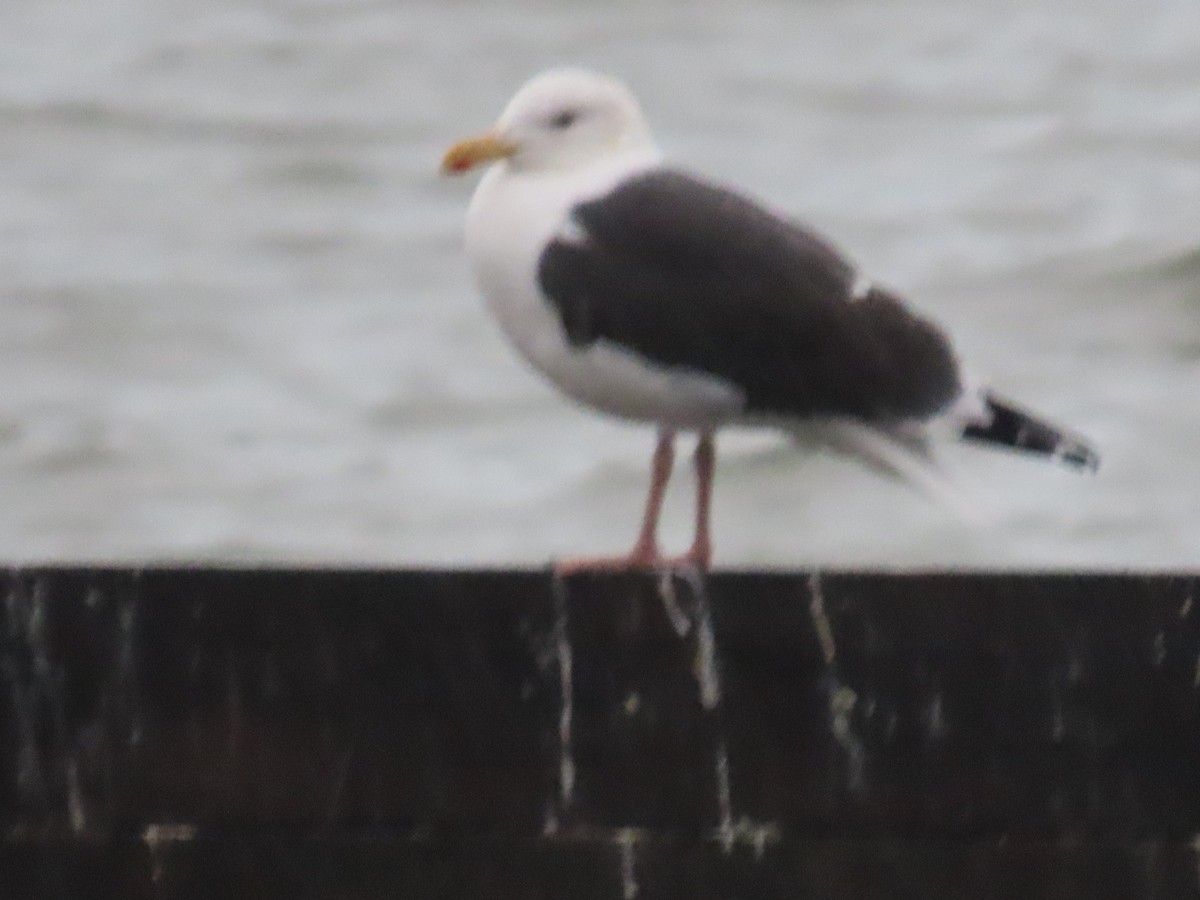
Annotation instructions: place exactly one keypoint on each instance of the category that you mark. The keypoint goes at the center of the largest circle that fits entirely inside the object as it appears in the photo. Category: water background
(237, 323)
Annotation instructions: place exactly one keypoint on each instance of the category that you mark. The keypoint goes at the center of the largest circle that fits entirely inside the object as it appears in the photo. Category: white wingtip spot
(571, 232)
(860, 288)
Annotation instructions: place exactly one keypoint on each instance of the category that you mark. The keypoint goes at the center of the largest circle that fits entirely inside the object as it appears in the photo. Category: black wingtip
(1078, 455)
(1011, 427)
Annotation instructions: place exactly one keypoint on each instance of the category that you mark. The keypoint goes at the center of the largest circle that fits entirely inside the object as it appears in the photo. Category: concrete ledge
(288, 733)
(288, 867)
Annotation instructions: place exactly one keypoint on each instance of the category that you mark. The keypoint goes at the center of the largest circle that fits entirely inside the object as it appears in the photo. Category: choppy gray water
(237, 322)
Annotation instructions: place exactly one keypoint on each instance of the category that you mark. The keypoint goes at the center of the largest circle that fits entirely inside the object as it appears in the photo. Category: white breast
(511, 218)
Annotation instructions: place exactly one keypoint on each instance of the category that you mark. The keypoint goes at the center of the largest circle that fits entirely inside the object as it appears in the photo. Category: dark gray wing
(692, 275)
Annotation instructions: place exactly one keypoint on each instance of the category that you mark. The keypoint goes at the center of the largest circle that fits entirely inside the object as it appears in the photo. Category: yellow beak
(474, 151)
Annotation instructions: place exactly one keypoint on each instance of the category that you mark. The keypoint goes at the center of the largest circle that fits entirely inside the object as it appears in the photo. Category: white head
(563, 118)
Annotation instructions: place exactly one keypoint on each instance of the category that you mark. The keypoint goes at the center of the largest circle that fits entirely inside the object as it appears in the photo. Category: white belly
(510, 219)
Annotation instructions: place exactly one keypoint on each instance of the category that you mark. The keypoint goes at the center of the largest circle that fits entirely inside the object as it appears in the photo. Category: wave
(1183, 266)
(260, 129)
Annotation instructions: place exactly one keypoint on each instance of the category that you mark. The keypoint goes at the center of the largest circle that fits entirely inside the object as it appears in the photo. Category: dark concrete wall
(175, 733)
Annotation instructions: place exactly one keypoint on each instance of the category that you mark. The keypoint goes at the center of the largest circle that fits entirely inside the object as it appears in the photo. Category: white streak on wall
(562, 645)
(816, 609)
(626, 838)
(1196, 850)
(75, 810)
(725, 831)
(127, 666)
(157, 836)
(666, 592)
(841, 711)
(707, 672)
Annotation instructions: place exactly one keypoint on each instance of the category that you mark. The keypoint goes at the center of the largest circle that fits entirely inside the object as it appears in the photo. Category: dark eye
(564, 119)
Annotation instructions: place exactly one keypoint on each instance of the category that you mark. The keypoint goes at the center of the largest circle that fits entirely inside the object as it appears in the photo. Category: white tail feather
(907, 458)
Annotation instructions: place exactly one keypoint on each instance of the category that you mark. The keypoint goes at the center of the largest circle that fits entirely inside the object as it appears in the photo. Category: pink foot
(641, 559)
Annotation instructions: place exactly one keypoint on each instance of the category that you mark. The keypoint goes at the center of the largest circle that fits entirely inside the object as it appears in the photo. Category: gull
(652, 294)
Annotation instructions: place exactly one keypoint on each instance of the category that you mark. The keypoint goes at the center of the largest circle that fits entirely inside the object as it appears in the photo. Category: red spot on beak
(474, 151)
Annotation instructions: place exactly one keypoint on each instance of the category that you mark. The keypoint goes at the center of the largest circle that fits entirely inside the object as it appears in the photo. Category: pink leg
(645, 551)
(700, 555)
(644, 554)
